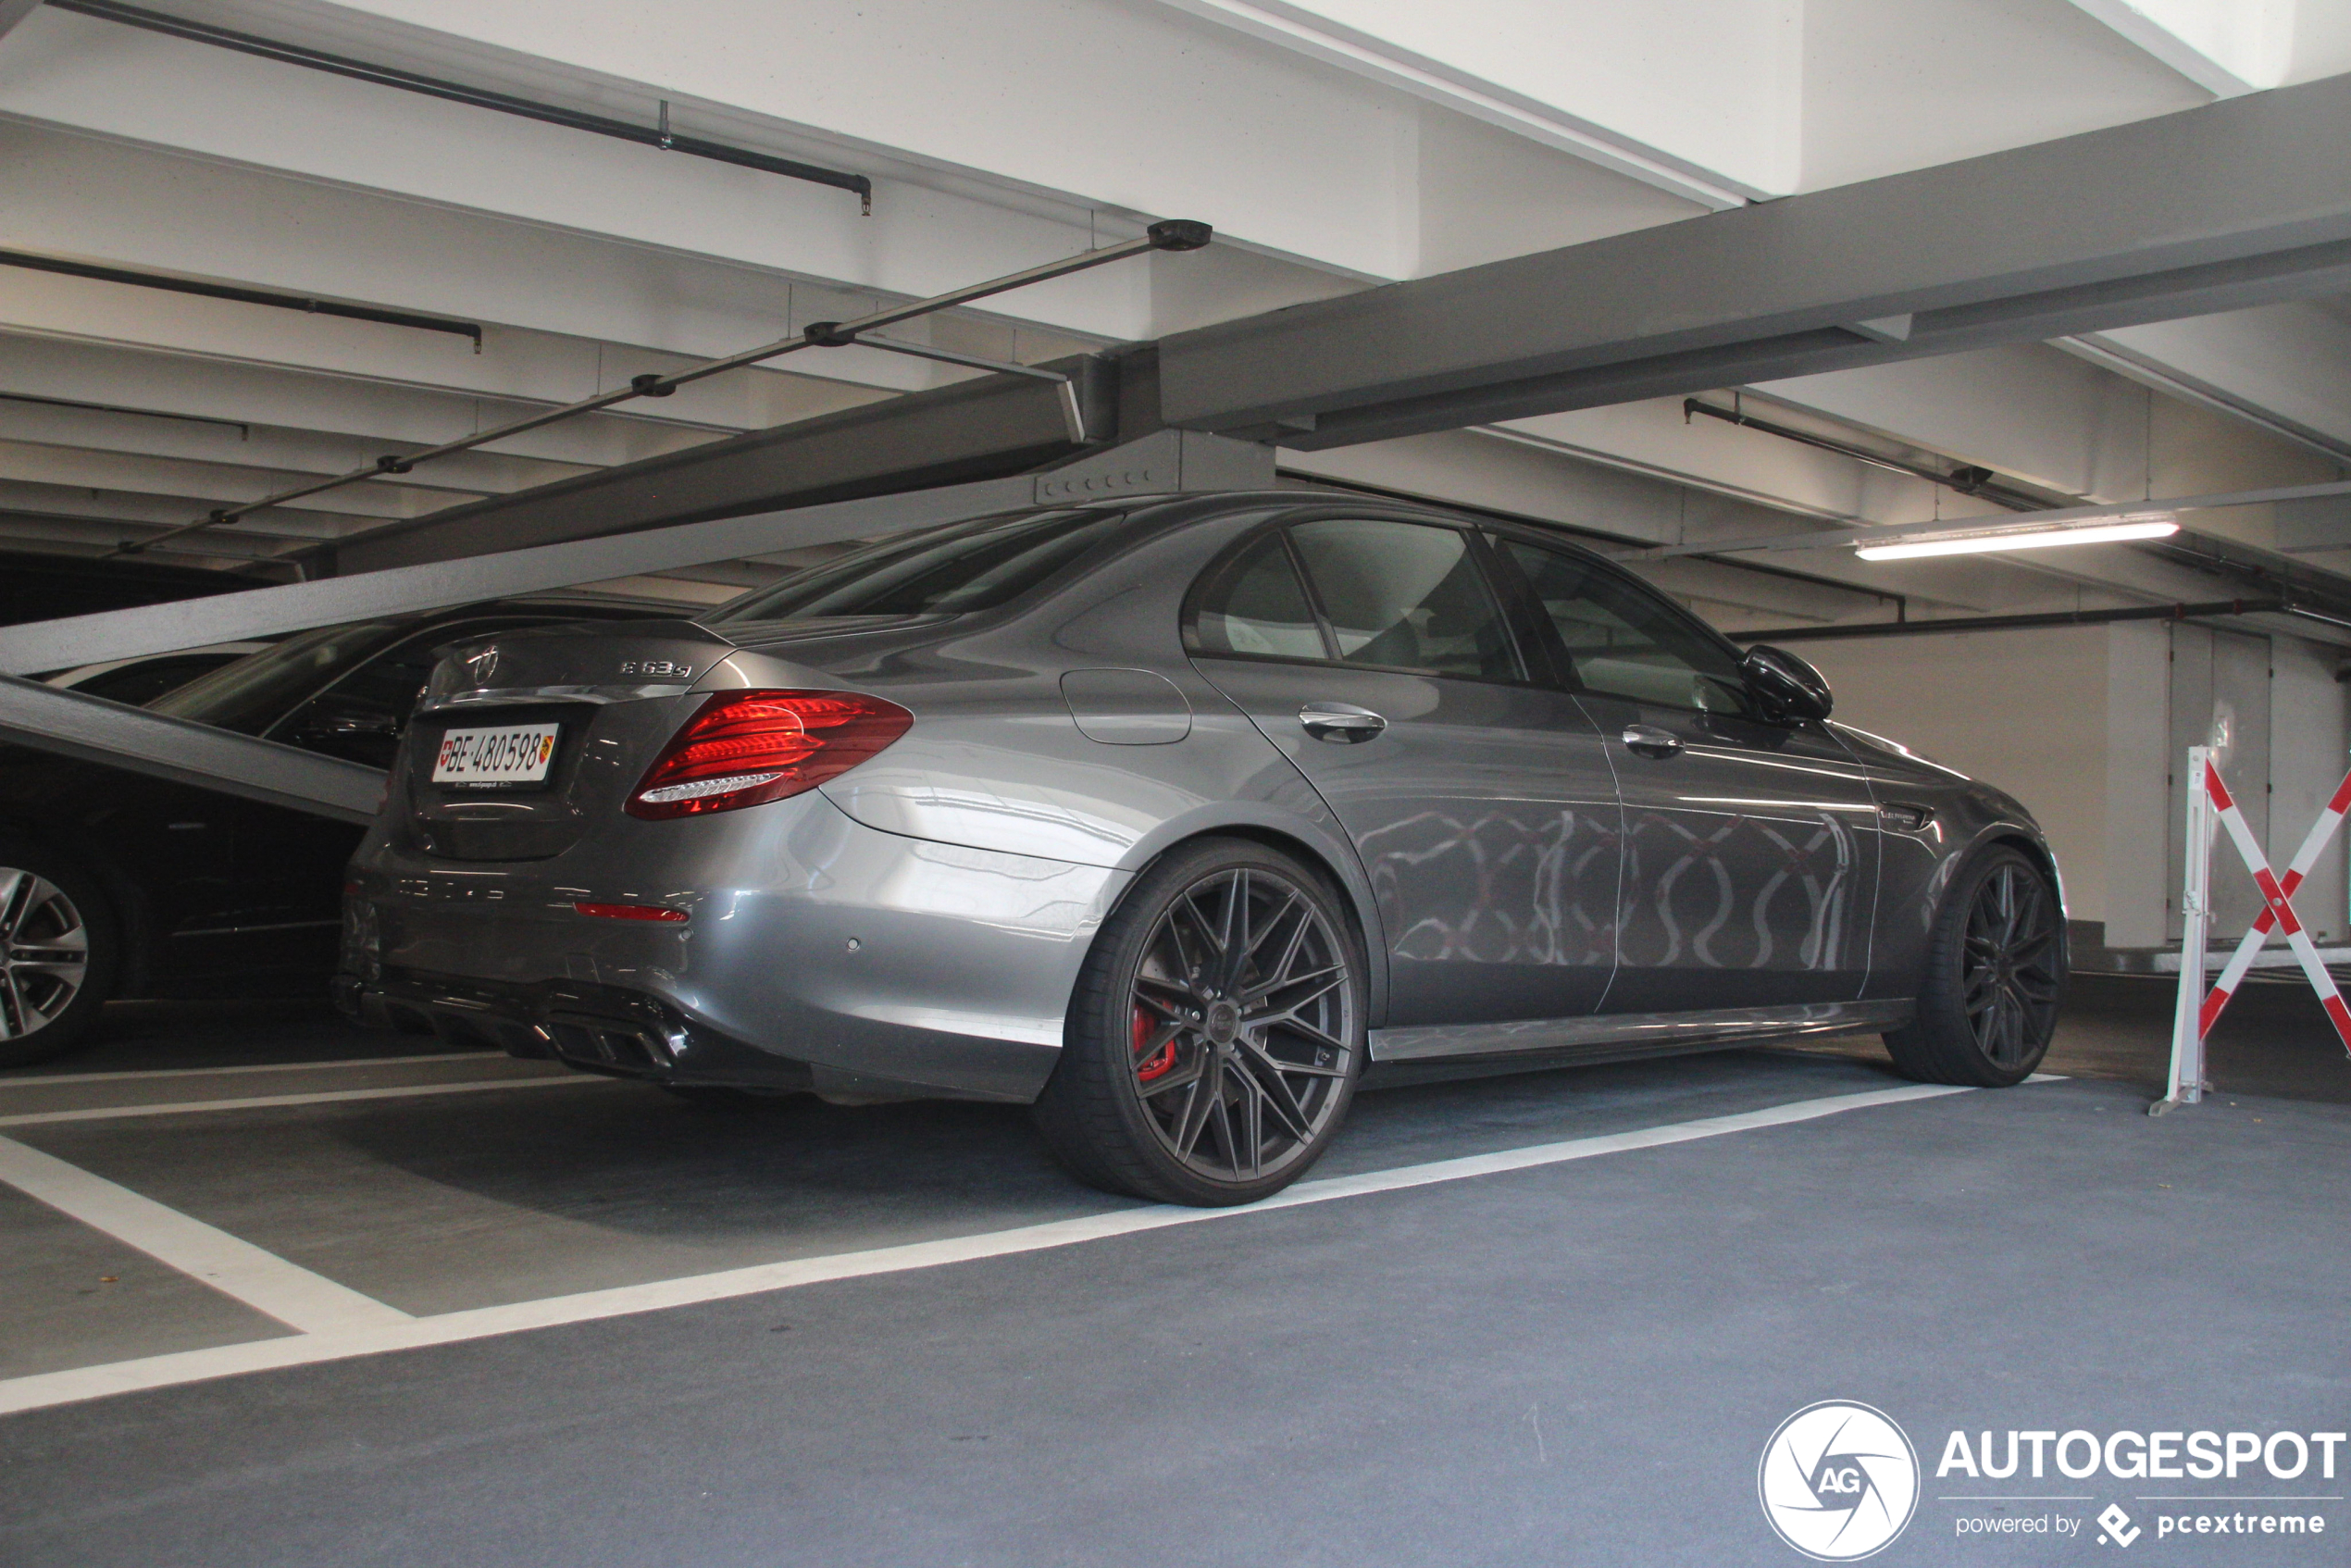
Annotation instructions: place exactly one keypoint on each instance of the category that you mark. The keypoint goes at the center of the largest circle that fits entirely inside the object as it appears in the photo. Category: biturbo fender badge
(669, 670)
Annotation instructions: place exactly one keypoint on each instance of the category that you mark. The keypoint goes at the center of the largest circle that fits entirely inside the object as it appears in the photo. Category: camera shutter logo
(1839, 1481)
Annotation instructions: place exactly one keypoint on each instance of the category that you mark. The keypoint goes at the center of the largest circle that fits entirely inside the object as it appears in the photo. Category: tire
(1994, 974)
(60, 950)
(1216, 1033)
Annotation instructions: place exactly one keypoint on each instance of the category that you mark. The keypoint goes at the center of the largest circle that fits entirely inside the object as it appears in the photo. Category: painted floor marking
(263, 1101)
(308, 1302)
(35, 1080)
(41, 1389)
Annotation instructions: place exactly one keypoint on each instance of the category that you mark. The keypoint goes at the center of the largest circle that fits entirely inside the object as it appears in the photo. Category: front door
(1480, 802)
(1750, 844)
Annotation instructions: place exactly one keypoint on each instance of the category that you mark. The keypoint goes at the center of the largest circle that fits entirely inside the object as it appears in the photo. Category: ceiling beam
(2238, 203)
(1164, 463)
(980, 428)
(96, 731)
(2153, 38)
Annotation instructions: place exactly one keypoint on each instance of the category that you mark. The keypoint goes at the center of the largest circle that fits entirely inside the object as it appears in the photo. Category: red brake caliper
(1158, 1066)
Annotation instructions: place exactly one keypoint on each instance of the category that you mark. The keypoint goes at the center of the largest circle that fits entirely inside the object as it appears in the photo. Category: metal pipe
(244, 430)
(1171, 235)
(479, 97)
(2019, 622)
(1966, 480)
(244, 295)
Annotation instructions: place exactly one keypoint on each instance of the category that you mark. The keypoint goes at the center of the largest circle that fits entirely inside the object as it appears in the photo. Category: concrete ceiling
(1332, 146)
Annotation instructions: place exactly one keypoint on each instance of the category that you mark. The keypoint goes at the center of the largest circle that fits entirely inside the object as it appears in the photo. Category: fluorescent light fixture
(2144, 526)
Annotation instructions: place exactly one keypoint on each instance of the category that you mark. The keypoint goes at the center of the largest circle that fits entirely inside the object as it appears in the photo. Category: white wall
(2023, 711)
(2075, 722)
(2308, 741)
(2138, 730)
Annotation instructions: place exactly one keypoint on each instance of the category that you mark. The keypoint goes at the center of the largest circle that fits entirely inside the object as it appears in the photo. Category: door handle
(1650, 741)
(1342, 722)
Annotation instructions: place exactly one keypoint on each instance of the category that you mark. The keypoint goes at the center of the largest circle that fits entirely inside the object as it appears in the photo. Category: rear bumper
(598, 1028)
(819, 953)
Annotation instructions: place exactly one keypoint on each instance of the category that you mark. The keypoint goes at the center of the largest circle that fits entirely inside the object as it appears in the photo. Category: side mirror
(1787, 685)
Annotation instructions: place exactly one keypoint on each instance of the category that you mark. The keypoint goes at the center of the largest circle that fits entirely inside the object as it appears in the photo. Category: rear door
(1375, 654)
(1750, 844)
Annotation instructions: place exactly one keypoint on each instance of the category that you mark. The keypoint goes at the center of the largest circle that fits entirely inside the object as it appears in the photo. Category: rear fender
(1298, 822)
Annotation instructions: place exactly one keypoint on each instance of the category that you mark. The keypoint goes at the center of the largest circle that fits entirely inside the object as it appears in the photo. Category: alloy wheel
(44, 952)
(1242, 1022)
(2009, 978)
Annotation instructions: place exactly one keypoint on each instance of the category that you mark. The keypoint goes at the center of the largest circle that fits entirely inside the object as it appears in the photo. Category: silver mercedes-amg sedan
(1176, 819)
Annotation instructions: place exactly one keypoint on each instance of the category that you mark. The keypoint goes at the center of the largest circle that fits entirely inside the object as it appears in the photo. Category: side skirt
(1406, 1054)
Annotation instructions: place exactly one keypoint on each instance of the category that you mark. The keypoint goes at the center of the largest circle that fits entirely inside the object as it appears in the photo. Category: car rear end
(611, 845)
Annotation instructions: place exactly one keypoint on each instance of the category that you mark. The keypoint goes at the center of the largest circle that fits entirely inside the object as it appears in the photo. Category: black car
(115, 884)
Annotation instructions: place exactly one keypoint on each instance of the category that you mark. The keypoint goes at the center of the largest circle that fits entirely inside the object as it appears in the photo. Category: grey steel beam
(98, 730)
(261, 612)
(91, 727)
(1167, 462)
(979, 428)
(14, 11)
(2230, 205)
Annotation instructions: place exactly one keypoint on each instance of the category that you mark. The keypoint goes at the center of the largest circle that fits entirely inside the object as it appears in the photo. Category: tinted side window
(144, 680)
(1253, 606)
(1407, 595)
(253, 693)
(1623, 643)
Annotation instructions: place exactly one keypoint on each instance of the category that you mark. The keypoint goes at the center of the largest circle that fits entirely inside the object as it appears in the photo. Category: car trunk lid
(612, 696)
(597, 700)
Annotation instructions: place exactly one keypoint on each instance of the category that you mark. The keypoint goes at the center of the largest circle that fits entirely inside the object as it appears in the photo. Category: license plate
(516, 754)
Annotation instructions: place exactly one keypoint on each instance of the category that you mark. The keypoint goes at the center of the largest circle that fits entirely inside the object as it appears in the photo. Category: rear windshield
(254, 692)
(975, 565)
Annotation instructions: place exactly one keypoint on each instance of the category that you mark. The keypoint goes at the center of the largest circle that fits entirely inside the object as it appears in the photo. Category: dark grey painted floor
(1572, 1364)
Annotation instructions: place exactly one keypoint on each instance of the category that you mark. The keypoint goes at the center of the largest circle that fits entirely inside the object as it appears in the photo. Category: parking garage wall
(2025, 712)
(2079, 724)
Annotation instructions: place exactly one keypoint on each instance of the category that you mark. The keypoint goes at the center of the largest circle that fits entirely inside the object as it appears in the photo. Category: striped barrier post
(2185, 1086)
(2209, 802)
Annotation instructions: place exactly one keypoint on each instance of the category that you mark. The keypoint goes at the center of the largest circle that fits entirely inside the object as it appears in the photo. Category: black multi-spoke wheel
(57, 953)
(1995, 972)
(1218, 1033)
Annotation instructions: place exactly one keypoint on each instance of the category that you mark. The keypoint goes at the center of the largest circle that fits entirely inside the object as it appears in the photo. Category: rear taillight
(660, 912)
(745, 748)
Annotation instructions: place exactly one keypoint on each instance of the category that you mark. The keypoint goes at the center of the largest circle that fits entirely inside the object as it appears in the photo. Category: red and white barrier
(2210, 803)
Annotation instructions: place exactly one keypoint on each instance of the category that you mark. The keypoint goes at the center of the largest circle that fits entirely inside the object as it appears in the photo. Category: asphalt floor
(641, 1332)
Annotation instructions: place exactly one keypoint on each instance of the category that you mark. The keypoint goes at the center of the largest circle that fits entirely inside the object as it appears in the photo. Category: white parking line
(260, 1101)
(43, 1390)
(308, 1302)
(38, 1081)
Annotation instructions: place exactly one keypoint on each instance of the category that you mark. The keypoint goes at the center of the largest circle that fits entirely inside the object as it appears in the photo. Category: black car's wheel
(59, 950)
(1995, 972)
(1216, 1033)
